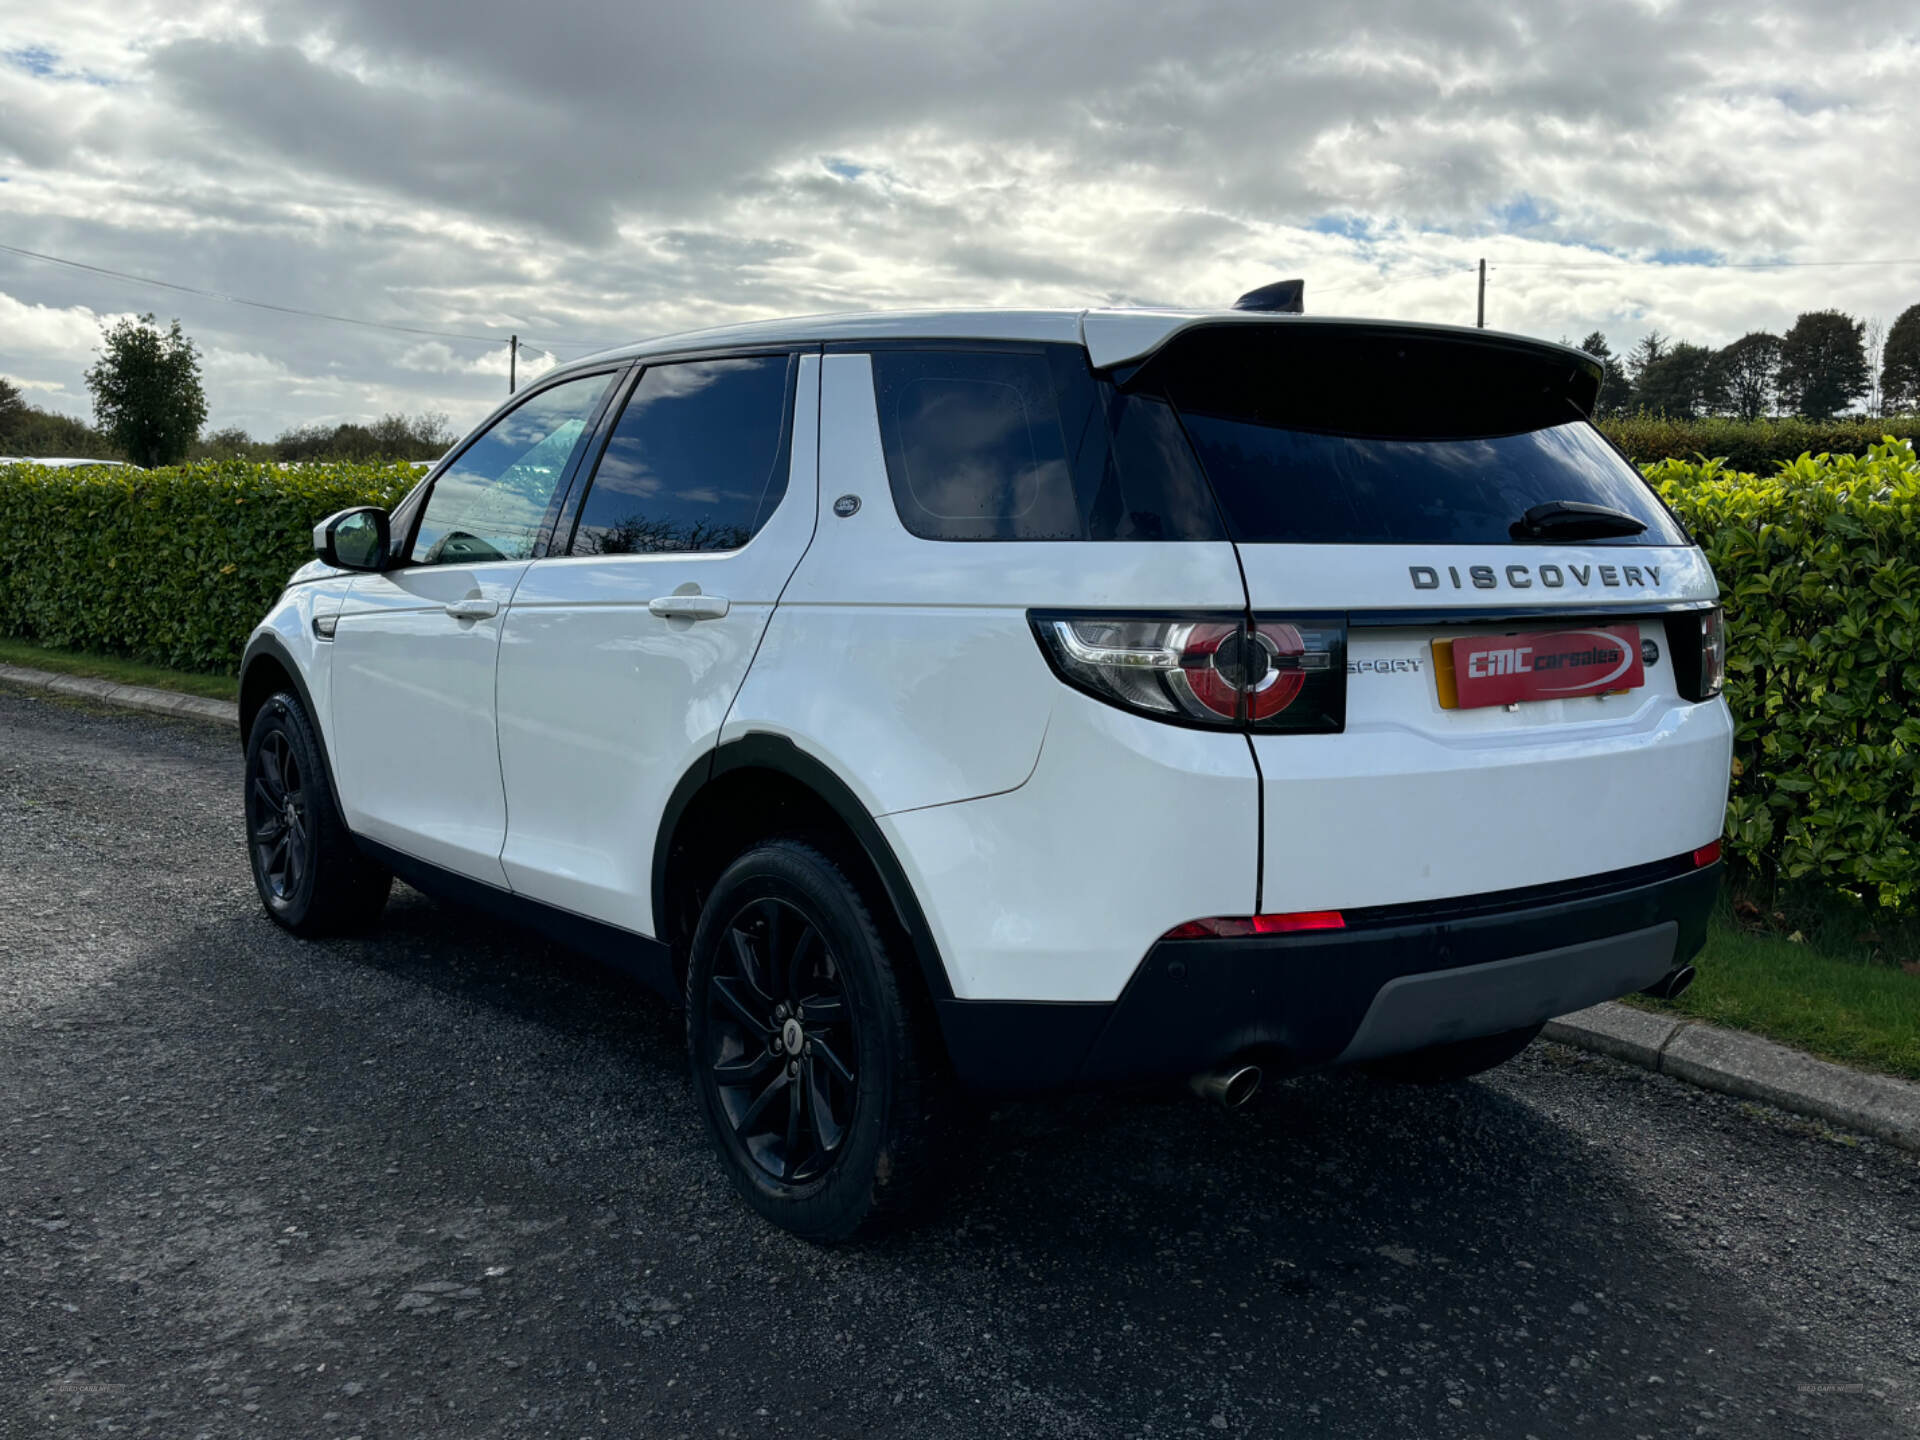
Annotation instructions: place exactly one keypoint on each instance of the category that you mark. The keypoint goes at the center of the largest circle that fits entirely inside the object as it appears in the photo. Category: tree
(391, 437)
(231, 443)
(1684, 382)
(1650, 351)
(13, 410)
(1823, 364)
(146, 391)
(1615, 389)
(1873, 347)
(1900, 364)
(1750, 373)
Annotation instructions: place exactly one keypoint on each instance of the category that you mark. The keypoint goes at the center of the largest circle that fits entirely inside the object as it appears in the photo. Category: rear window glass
(1030, 445)
(1277, 484)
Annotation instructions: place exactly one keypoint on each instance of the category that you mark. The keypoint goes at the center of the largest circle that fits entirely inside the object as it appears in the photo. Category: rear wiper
(1573, 520)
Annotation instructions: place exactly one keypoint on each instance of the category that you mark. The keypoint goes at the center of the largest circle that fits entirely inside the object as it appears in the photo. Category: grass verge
(1833, 999)
(121, 672)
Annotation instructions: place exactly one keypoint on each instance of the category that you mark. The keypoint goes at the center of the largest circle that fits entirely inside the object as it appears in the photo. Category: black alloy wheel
(781, 1043)
(815, 1060)
(312, 877)
(277, 817)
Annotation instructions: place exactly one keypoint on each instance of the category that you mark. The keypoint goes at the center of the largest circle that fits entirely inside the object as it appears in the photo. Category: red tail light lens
(1706, 855)
(1234, 927)
(1274, 675)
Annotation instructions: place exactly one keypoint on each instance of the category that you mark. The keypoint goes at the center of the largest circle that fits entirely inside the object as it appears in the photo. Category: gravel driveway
(449, 1181)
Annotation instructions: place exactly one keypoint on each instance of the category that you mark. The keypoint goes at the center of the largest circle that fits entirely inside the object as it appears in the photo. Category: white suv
(1009, 701)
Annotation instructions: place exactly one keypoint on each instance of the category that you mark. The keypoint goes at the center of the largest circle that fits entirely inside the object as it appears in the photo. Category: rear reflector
(1239, 926)
(1706, 855)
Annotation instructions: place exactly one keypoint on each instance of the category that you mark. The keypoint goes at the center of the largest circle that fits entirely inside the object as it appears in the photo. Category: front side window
(698, 460)
(491, 502)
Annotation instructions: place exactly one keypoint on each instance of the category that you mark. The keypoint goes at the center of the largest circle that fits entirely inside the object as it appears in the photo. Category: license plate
(1545, 665)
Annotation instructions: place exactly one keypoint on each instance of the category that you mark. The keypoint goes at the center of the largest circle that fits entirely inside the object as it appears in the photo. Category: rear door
(1379, 488)
(623, 651)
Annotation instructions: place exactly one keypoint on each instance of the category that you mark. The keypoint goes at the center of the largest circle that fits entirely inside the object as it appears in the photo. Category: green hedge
(1756, 445)
(174, 567)
(1819, 565)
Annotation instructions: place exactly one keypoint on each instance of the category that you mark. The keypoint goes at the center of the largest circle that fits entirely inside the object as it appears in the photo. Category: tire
(826, 1124)
(1444, 1064)
(311, 877)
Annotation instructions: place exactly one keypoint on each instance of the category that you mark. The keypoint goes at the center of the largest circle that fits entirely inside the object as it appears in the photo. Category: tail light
(1698, 640)
(1708, 854)
(1284, 675)
(1713, 652)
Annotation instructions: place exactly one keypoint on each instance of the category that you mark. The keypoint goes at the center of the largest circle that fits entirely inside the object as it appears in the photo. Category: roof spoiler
(1378, 379)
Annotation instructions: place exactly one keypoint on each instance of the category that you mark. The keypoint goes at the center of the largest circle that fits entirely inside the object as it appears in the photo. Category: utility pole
(1481, 320)
(513, 345)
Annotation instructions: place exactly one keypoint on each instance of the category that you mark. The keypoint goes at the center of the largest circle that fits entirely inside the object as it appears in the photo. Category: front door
(414, 749)
(621, 659)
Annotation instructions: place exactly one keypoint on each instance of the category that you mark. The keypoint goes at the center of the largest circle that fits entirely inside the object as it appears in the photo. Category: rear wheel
(1443, 1064)
(310, 875)
(815, 1072)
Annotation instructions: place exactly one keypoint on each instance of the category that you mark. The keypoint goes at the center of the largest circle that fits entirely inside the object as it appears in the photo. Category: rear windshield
(1276, 484)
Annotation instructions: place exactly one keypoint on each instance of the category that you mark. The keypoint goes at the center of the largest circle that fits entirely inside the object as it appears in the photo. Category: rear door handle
(474, 609)
(689, 607)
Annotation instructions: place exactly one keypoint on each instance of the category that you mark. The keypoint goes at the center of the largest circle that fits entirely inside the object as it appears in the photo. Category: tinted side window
(491, 502)
(698, 460)
(1031, 445)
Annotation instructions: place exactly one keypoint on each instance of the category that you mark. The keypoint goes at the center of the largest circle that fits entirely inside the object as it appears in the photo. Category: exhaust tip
(1672, 985)
(1229, 1088)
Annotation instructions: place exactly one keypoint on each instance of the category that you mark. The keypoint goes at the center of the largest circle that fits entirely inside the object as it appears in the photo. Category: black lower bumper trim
(1294, 1001)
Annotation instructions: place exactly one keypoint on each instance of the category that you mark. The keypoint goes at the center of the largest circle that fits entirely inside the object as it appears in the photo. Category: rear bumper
(1399, 978)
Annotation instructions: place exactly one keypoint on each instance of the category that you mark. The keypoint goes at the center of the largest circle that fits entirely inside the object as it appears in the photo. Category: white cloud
(619, 170)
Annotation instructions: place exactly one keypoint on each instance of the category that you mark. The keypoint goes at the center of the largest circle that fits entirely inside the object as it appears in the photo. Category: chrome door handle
(474, 609)
(689, 607)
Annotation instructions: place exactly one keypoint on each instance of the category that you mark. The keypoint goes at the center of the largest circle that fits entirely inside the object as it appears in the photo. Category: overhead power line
(287, 309)
(1689, 264)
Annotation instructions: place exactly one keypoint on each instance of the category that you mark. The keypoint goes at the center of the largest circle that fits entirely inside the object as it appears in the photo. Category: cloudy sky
(586, 173)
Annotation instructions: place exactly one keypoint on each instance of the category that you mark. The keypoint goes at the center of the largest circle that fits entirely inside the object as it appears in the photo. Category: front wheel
(310, 875)
(1444, 1064)
(815, 1072)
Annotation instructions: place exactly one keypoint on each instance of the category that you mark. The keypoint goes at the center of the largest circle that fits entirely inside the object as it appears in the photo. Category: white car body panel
(908, 666)
(603, 705)
(1413, 802)
(316, 591)
(414, 749)
(1580, 579)
(1055, 890)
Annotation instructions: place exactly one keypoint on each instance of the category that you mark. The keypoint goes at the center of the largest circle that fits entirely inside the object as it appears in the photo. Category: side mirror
(353, 539)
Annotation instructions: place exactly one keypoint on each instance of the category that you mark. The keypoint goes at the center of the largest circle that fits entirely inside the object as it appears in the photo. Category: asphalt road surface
(447, 1180)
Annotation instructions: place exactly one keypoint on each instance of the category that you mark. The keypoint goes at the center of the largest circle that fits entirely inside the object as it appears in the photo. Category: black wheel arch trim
(266, 643)
(762, 751)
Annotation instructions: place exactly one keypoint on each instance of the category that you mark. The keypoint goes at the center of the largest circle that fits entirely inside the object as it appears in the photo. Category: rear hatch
(1502, 630)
